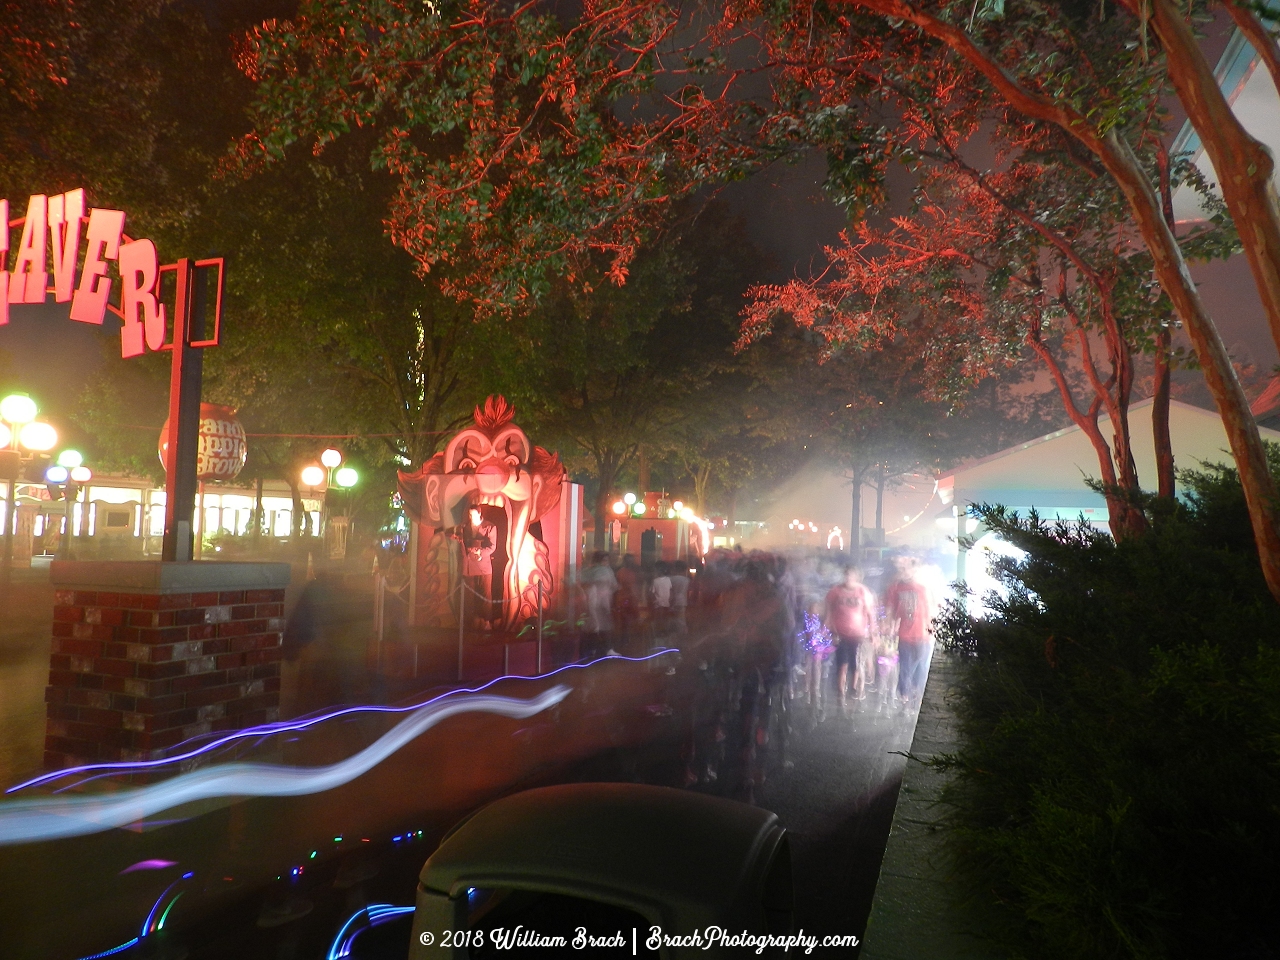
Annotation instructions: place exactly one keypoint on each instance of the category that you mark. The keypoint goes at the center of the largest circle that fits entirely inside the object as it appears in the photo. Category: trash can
(611, 860)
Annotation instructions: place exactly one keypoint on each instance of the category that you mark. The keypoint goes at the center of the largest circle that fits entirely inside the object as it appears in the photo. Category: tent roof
(1049, 472)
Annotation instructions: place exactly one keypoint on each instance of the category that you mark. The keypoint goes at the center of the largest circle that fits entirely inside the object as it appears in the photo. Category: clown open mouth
(493, 467)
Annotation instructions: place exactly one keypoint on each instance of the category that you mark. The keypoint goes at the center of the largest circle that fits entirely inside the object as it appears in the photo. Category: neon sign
(51, 236)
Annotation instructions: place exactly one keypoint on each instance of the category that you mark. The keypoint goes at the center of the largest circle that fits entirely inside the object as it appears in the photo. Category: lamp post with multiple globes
(22, 436)
(70, 473)
(330, 473)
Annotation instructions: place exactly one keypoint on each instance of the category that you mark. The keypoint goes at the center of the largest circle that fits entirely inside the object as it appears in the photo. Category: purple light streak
(48, 818)
(269, 729)
(148, 865)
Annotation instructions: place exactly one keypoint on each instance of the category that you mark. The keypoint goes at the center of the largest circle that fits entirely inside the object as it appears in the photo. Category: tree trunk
(257, 514)
(701, 480)
(643, 478)
(1160, 419)
(855, 535)
(1242, 164)
(299, 511)
(606, 475)
(1219, 374)
(880, 506)
(1170, 266)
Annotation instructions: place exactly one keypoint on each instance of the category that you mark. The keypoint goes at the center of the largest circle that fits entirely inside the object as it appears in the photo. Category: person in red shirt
(850, 616)
(908, 609)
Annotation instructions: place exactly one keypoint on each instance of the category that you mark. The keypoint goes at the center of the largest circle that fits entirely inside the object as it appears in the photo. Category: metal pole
(69, 495)
(379, 601)
(539, 626)
(183, 438)
(9, 515)
(462, 619)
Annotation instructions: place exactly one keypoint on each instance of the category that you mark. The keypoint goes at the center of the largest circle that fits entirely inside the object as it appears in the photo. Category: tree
(497, 122)
(546, 164)
(864, 410)
(843, 76)
(614, 369)
(1098, 123)
(986, 266)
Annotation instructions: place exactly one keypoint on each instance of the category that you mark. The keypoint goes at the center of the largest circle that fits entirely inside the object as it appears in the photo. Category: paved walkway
(915, 915)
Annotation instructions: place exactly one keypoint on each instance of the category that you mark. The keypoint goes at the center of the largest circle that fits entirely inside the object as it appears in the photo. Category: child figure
(817, 643)
(886, 654)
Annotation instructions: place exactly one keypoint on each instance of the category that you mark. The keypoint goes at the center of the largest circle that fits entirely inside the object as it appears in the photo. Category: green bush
(1118, 791)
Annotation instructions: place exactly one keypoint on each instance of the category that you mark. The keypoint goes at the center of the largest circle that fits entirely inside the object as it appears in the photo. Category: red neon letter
(30, 266)
(4, 257)
(90, 302)
(138, 268)
(65, 211)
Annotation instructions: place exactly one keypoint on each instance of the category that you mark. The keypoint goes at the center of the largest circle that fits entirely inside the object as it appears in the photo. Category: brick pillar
(148, 654)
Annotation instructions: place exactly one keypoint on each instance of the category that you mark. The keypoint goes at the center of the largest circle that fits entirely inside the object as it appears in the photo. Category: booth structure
(124, 516)
(520, 489)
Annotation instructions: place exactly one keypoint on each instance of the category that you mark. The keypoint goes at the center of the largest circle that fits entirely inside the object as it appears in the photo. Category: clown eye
(513, 460)
(466, 463)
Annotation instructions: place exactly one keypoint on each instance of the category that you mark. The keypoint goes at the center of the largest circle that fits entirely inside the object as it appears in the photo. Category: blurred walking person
(660, 600)
(816, 645)
(679, 597)
(599, 584)
(629, 599)
(851, 617)
(908, 610)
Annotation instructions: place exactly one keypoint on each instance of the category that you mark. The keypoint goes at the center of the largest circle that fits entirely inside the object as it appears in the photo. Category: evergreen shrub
(1117, 793)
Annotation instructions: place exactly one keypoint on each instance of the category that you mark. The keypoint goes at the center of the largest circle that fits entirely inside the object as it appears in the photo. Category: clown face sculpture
(493, 466)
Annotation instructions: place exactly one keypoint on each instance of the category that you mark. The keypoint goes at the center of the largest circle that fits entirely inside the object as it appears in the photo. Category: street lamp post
(71, 474)
(19, 431)
(330, 473)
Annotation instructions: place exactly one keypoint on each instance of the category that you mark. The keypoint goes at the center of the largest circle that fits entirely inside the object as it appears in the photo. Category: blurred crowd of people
(834, 631)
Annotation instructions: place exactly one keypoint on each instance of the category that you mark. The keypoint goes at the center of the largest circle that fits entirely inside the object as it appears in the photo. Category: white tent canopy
(1048, 473)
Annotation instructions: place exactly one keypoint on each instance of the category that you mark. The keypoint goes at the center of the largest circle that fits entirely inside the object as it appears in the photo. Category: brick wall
(132, 674)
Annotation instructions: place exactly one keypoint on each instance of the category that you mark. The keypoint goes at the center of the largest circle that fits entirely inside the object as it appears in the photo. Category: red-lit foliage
(34, 47)
(501, 126)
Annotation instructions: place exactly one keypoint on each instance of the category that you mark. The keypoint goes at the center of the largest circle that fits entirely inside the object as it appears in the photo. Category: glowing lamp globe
(677, 505)
(57, 474)
(38, 436)
(687, 514)
(81, 474)
(332, 458)
(639, 508)
(629, 499)
(18, 408)
(70, 459)
(313, 476)
(619, 507)
(346, 477)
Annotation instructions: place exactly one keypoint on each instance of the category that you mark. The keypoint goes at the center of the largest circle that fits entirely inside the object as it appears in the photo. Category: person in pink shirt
(908, 610)
(851, 617)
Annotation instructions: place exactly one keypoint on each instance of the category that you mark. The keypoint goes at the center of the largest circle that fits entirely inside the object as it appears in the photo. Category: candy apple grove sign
(51, 244)
(223, 446)
(51, 235)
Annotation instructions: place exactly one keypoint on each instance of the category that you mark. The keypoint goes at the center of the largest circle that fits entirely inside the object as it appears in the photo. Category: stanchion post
(462, 619)
(539, 625)
(379, 611)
